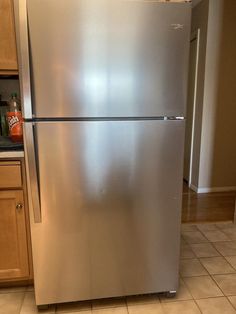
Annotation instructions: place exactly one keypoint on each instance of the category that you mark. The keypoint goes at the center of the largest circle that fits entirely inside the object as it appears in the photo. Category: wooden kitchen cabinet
(13, 239)
(8, 57)
(15, 246)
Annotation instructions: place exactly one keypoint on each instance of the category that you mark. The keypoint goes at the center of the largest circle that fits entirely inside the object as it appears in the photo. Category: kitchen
(15, 165)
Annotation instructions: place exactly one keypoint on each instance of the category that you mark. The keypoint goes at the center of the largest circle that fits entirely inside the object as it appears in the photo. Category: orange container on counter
(14, 118)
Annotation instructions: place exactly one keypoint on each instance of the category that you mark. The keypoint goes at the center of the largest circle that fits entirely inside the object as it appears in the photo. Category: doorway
(191, 106)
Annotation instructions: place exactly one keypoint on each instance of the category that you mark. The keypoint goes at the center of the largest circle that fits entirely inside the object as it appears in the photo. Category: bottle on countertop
(14, 118)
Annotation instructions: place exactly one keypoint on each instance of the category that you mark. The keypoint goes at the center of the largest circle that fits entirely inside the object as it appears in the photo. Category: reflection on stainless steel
(23, 56)
(110, 196)
(106, 195)
(108, 58)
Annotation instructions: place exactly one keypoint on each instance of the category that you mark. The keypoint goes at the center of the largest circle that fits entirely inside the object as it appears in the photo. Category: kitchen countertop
(12, 154)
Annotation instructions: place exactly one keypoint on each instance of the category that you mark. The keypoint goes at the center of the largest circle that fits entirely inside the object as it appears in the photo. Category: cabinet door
(8, 60)
(13, 241)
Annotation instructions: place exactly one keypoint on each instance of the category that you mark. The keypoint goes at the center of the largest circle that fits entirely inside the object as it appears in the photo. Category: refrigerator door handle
(32, 168)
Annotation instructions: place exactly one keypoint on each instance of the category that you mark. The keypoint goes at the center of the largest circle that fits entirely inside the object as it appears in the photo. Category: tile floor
(207, 282)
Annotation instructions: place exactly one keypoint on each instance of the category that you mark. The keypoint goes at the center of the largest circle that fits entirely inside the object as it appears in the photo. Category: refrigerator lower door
(110, 194)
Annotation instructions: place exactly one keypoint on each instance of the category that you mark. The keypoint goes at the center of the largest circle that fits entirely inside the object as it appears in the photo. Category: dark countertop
(9, 149)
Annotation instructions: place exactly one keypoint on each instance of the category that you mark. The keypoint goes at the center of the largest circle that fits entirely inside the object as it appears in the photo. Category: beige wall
(217, 166)
(224, 148)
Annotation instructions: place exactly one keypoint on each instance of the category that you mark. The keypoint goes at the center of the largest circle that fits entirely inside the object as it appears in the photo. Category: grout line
(226, 297)
(126, 305)
(213, 243)
(187, 288)
(195, 301)
(210, 296)
(217, 285)
(230, 301)
(211, 257)
(229, 262)
(203, 266)
(213, 297)
(23, 299)
(163, 308)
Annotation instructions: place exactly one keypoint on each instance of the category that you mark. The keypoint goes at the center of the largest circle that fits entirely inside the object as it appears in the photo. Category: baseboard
(194, 188)
(213, 189)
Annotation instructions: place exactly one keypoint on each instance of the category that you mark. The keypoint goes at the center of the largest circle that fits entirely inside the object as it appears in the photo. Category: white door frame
(194, 35)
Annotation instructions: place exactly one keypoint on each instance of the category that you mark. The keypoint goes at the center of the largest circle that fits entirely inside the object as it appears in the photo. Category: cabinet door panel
(8, 60)
(10, 174)
(13, 241)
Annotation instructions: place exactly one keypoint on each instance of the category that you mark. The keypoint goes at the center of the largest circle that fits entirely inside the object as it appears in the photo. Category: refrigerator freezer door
(110, 209)
(108, 58)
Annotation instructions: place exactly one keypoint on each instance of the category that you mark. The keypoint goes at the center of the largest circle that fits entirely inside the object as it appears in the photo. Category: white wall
(214, 38)
(199, 21)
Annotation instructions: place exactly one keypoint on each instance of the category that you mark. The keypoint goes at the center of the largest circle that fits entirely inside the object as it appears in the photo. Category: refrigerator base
(168, 294)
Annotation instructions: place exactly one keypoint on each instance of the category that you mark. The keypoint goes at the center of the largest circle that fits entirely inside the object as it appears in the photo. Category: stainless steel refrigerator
(103, 86)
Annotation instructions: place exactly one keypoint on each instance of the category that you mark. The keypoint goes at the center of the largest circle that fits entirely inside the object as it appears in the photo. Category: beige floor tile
(217, 265)
(145, 309)
(202, 287)
(191, 267)
(10, 303)
(111, 310)
(204, 250)
(181, 307)
(182, 294)
(230, 232)
(29, 306)
(188, 227)
(206, 227)
(186, 251)
(215, 236)
(142, 299)
(194, 237)
(73, 307)
(232, 300)
(227, 283)
(105, 303)
(226, 248)
(231, 260)
(216, 306)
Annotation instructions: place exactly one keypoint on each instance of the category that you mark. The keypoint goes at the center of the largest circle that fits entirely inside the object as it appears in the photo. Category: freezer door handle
(32, 168)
